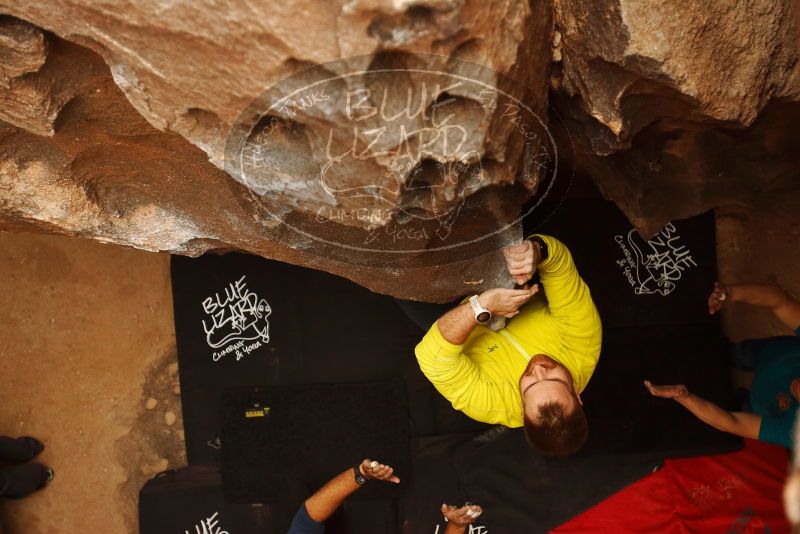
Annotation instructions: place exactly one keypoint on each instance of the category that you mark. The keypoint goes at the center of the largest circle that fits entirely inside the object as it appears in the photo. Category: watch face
(360, 479)
(484, 317)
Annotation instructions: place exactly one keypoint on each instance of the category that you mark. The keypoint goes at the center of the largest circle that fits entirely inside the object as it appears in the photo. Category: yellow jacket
(481, 377)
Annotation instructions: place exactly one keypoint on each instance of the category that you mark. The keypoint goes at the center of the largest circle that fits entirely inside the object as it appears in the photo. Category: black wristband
(544, 252)
(360, 479)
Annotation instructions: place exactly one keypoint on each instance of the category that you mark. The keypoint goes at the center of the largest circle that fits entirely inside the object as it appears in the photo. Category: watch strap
(545, 252)
(360, 479)
(479, 310)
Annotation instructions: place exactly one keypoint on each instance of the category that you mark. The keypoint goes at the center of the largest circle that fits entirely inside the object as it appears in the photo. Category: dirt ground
(89, 364)
(89, 367)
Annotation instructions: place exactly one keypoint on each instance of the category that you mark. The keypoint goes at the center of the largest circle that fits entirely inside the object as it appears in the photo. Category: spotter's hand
(466, 515)
(377, 471)
(678, 391)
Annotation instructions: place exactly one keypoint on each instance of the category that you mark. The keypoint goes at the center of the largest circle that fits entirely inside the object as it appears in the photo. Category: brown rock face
(392, 142)
(192, 67)
(393, 168)
(669, 95)
(722, 63)
(31, 92)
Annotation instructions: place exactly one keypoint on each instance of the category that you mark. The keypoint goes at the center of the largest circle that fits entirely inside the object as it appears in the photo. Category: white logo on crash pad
(235, 316)
(209, 525)
(656, 266)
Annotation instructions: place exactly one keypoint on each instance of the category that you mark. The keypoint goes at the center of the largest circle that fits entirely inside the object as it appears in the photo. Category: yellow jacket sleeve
(461, 382)
(567, 293)
(575, 319)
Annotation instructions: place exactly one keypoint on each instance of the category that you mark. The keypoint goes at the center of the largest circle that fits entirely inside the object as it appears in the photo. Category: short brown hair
(555, 432)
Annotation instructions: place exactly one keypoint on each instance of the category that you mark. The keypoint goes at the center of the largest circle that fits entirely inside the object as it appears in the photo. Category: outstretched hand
(461, 517)
(677, 391)
(506, 302)
(378, 471)
(717, 298)
(521, 261)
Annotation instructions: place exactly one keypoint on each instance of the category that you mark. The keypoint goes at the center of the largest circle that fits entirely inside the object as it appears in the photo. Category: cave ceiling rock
(675, 108)
(133, 151)
(633, 62)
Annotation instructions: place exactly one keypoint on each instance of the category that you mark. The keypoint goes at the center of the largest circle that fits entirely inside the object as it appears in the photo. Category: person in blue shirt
(312, 514)
(775, 390)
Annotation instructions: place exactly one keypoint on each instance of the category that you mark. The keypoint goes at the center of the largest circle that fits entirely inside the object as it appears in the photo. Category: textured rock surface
(193, 68)
(720, 62)
(102, 171)
(162, 136)
(672, 92)
(33, 85)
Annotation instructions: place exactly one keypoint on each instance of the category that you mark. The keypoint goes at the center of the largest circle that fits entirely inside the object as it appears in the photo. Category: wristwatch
(360, 479)
(482, 315)
(542, 247)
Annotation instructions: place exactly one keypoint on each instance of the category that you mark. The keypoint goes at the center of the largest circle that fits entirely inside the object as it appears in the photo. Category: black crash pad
(660, 281)
(278, 435)
(324, 329)
(321, 329)
(191, 500)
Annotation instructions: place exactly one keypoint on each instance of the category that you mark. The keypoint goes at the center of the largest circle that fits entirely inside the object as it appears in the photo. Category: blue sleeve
(303, 524)
(777, 430)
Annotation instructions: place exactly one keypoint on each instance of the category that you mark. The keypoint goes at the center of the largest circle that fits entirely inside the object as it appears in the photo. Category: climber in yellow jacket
(531, 371)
